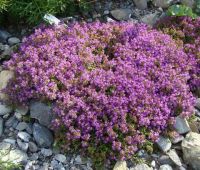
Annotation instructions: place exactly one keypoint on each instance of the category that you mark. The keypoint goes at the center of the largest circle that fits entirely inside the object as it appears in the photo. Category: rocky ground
(25, 136)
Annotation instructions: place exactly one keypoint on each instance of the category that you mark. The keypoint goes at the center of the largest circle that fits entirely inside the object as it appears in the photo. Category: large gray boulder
(191, 150)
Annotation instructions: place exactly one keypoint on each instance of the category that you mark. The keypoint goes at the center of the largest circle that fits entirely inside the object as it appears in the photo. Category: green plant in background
(181, 10)
(3, 5)
(32, 11)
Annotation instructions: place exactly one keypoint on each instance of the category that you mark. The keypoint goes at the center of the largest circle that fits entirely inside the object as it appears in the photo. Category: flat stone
(141, 4)
(41, 112)
(61, 158)
(165, 159)
(24, 136)
(5, 148)
(22, 145)
(120, 165)
(10, 141)
(181, 125)
(32, 147)
(190, 3)
(21, 126)
(141, 167)
(16, 156)
(164, 144)
(23, 110)
(174, 157)
(42, 135)
(5, 76)
(191, 150)
(121, 14)
(177, 139)
(1, 126)
(162, 3)
(13, 41)
(150, 19)
(46, 152)
(4, 109)
(11, 121)
(165, 167)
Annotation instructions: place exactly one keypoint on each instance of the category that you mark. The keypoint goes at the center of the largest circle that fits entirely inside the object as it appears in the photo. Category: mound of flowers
(186, 31)
(115, 87)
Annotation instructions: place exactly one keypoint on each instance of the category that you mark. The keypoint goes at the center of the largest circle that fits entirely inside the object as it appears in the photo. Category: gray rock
(165, 159)
(10, 141)
(34, 156)
(61, 158)
(23, 110)
(11, 121)
(5, 148)
(162, 3)
(120, 165)
(46, 152)
(32, 147)
(1, 126)
(41, 112)
(197, 105)
(164, 144)
(5, 76)
(4, 35)
(21, 126)
(191, 150)
(121, 14)
(24, 136)
(165, 167)
(177, 139)
(42, 135)
(189, 3)
(141, 167)
(181, 125)
(150, 19)
(22, 145)
(141, 4)
(174, 157)
(29, 128)
(16, 156)
(13, 41)
(4, 109)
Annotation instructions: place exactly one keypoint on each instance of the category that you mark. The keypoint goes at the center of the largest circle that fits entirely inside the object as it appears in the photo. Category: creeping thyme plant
(186, 31)
(115, 87)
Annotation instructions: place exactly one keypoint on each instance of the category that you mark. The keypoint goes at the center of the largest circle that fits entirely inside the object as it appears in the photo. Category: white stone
(141, 167)
(22, 145)
(24, 136)
(5, 76)
(174, 157)
(120, 165)
(4, 109)
(191, 150)
(61, 158)
(46, 152)
(13, 41)
(165, 167)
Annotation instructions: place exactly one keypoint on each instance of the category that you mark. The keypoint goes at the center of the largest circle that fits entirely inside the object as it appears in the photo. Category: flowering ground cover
(186, 31)
(114, 87)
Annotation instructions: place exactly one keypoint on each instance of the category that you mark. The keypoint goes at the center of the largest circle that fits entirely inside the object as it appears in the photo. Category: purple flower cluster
(115, 86)
(186, 31)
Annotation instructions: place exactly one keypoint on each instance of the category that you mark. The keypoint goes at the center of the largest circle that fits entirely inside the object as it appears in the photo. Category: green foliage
(32, 11)
(3, 5)
(180, 10)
